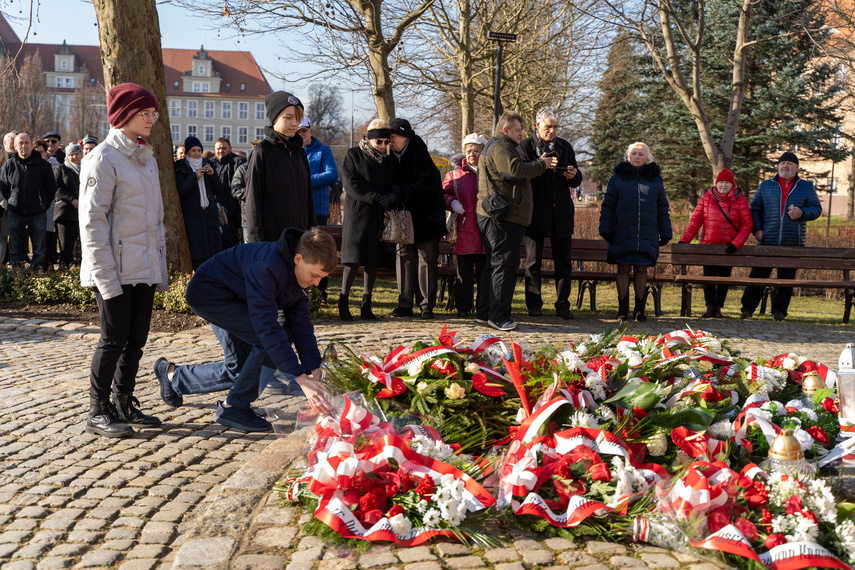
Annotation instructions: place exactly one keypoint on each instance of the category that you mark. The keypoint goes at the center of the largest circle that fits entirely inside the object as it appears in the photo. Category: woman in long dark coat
(367, 175)
(65, 216)
(634, 220)
(201, 215)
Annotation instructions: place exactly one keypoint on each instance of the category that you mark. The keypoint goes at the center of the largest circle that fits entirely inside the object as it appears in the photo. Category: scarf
(72, 166)
(373, 153)
(196, 164)
(541, 147)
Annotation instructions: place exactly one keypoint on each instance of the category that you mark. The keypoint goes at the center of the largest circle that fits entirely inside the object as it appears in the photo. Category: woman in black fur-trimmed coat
(634, 220)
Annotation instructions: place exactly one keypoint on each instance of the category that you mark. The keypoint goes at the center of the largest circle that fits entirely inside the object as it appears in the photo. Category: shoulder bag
(398, 227)
(451, 223)
(495, 204)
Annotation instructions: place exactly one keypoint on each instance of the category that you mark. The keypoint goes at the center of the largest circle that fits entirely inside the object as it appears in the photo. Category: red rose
(372, 517)
(395, 510)
(747, 528)
(425, 487)
(639, 413)
(359, 516)
(712, 395)
(583, 453)
(717, 519)
(756, 496)
(793, 505)
(774, 540)
(745, 482)
(600, 472)
(829, 405)
(564, 468)
(368, 502)
(382, 500)
(350, 499)
(392, 489)
(407, 482)
(817, 433)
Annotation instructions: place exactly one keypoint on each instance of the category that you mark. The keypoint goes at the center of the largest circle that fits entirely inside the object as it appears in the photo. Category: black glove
(730, 248)
(664, 241)
(681, 241)
(386, 202)
(608, 237)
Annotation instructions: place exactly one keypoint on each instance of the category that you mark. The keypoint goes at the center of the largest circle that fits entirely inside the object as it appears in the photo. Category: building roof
(234, 67)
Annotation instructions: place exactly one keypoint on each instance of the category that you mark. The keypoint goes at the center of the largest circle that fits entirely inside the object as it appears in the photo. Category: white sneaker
(504, 325)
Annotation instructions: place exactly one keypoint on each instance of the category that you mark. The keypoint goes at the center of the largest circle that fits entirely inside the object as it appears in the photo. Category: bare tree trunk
(380, 76)
(850, 202)
(129, 33)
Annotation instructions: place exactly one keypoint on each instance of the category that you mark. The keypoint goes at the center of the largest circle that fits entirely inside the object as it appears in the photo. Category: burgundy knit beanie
(725, 175)
(126, 99)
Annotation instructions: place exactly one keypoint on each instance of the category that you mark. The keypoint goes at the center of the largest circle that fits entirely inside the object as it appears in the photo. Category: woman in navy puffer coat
(634, 220)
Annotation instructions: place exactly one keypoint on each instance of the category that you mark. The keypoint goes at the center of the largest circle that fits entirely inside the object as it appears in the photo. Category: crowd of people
(253, 229)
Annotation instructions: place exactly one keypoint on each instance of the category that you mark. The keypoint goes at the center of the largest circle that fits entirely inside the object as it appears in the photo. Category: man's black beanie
(276, 103)
(788, 157)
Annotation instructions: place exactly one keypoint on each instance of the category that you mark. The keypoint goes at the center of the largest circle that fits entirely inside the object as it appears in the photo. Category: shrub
(173, 300)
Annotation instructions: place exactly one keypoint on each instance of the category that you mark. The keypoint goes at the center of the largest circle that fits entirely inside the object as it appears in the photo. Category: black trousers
(753, 293)
(469, 269)
(501, 241)
(716, 294)
(67, 233)
(561, 258)
(125, 321)
(416, 269)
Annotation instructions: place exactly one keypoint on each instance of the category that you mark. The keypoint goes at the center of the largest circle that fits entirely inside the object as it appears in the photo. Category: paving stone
(304, 565)
(496, 555)
(58, 524)
(371, 560)
(556, 543)
(90, 524)
(527, 544)
(14, 537)
(204, 551)
(594, 567)
(684, 558)
(20, 565)
(424, 566)
(598, 547)
(133, 522)
(22, 524)
(537, 557)
(6, 550)
(464, 562)
(54, 563)
(627, 562)
(280, 537)
(68, 549)
(142, 564)
(336, 564)
(119, 545)
(32, 550)
(511, 566)
(83, 536)
(575, 558)
(309, 542)
(307, 555)
(99, 558)
(704, 566)
(659, 560)
(447, 549)
(258, 562)
(31, 513)
(415, 554)
(146, 551)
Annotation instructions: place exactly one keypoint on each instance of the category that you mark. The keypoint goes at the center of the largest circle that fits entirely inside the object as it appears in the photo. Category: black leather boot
(365, 309)
(623, 309)
(344, 309)
(128, 410)
(638, 313)
(102, 422)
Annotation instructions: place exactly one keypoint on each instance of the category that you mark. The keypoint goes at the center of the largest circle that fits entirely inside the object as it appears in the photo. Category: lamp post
(500, 38)
(831, 190)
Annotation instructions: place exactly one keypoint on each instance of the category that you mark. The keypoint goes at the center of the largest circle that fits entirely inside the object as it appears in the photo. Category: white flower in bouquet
(682, 459)
(821, 501)
(472, 368)
(774, 407)
(781, 524)
(782, 487)
(431, 447)
(627, 480)
(415, 368)
(605, 413)
(596, 338)
(454, 485)
(455, 392)
(422, 506)
(441, 495)
(722, 429)
(597, 387)
(810, 414)
(401, 525)
(797, 404)
(421, 387)
(571, 360)
(583, 419)
(804, 438)
(582, 348)
(846, 534)
(520, 416)
(762, 414)
(791, 362)
(805, 531)
(657, 445)
(635, 359)
(713, 344)
(450, 511)
(432, 518)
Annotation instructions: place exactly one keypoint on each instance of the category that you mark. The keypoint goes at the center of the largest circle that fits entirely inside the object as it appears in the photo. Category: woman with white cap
(460, 190)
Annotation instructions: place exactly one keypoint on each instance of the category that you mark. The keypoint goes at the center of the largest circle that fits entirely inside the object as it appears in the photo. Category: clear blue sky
(74, 21)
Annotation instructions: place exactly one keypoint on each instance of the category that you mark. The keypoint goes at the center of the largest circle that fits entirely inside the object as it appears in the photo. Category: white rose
(455, 392)
(804, 438)
(421, 387)
(635, 359)
(472, 368)
(657, 446)
(401, 525)
(415, 368)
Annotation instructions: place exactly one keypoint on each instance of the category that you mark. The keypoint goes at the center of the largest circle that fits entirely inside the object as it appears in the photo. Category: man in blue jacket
(324, 173)
(780, 210)
(240, 291)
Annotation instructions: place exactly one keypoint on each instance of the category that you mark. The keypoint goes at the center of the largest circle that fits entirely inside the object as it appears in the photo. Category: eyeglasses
(51, 141)
(149, 117)
(381, 141)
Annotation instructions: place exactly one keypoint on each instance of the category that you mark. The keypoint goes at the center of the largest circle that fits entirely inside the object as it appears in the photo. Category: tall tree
(325, 109)
(129, 33)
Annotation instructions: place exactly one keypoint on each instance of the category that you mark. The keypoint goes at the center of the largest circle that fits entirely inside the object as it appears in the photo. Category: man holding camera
(552, 213)
(506, 172)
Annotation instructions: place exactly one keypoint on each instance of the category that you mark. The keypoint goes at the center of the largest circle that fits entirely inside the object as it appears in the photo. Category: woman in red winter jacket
(726, 216)
(460, 189)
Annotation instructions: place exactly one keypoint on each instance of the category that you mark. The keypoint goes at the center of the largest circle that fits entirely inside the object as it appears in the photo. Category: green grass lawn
(809, 309)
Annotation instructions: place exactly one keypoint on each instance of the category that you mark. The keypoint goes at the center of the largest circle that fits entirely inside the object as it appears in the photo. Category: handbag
(451, 222)
(497, 206)
(398, 227)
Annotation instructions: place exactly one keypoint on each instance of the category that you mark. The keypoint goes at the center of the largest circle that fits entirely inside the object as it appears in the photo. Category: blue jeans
(244, 357)
(18, 228)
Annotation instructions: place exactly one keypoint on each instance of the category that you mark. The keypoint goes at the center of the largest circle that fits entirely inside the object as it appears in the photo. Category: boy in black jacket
(240, 291)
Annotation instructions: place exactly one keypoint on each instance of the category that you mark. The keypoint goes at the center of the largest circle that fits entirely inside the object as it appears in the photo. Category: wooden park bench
(840, 260)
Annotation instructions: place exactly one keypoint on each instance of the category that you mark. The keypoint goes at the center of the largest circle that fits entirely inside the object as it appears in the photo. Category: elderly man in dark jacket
(780, 209)
(419, 186)
(552, 214)
(278, 181)
(504, 169)
(240, 291)
(28, 185)
(226, 163)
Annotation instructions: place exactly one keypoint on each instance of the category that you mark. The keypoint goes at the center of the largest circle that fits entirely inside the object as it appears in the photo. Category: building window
(243, 86)
(192, 109)
(69, 83)
(209, 109)
(259, 133)
(201, 70)
(201, 87)
(209, 134)
(59, 82)
(228, 87)
(260, 111)
(243, 110)
(176, 133)
(91, 82)
(191, 131)
(226, 132)
(63, 64)
(243, 135)
(226, 109)
(174, 108)
(175, 85)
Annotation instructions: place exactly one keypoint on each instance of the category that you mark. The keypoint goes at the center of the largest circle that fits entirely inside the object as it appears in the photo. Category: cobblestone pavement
(194, 494)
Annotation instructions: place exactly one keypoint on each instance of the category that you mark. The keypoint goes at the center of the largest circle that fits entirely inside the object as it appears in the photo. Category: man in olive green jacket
(504, 169)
